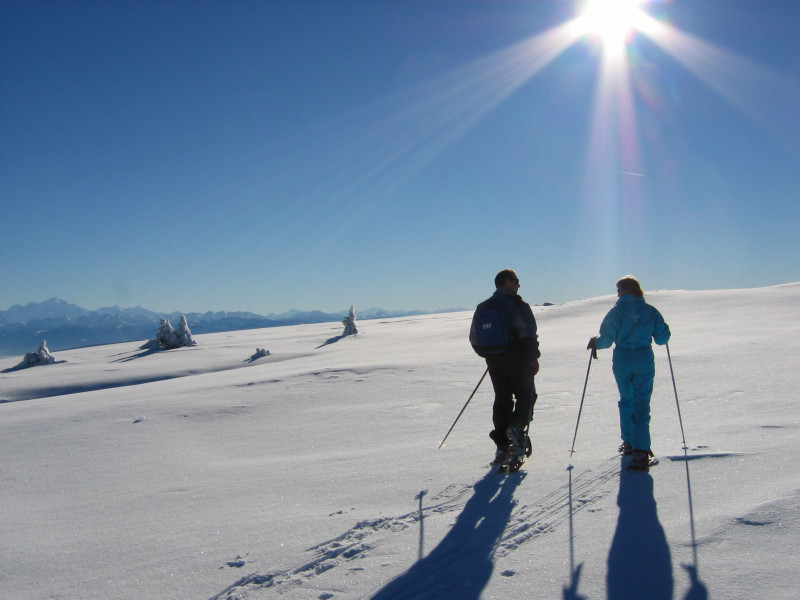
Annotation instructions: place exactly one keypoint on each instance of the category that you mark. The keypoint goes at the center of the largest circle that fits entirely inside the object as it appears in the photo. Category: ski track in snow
(526, 523)
(349, 546)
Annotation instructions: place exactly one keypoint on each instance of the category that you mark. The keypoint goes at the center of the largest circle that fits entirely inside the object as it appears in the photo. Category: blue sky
(264, 156)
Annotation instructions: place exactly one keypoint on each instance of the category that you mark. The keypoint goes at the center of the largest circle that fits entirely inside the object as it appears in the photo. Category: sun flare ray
(763, 95)
(391, 141)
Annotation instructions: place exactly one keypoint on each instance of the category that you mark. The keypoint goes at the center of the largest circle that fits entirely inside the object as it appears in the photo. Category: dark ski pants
(634, 370)
(514, 390)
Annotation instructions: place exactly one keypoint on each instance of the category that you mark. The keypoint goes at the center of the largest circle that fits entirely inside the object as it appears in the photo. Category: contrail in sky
(629, 173)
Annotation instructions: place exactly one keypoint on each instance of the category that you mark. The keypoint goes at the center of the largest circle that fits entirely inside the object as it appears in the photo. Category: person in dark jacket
(632, 325)
(512, 369)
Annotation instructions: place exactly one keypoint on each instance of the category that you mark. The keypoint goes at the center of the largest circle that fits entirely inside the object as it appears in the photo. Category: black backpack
(493, 331)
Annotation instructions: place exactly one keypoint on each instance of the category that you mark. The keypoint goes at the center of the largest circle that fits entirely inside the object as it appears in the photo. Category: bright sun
(611, 20)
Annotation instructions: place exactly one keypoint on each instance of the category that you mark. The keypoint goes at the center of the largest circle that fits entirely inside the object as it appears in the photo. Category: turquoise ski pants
(634, 370)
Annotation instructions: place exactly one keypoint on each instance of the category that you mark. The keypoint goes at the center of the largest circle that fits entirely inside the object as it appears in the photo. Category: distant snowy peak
(54, 308)
(136, 313)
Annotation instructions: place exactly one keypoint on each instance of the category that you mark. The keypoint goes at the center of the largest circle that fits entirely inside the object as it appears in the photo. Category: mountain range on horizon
(65, 325)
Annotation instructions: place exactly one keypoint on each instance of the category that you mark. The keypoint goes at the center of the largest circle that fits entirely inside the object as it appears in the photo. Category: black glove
(592, 345)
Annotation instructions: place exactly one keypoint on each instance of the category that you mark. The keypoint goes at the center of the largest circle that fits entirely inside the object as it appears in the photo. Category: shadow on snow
(330, 341)
(639, 561)
(462, 564)
(22, 366)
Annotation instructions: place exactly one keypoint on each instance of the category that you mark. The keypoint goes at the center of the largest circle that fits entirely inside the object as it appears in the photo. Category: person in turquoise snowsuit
(632, 325)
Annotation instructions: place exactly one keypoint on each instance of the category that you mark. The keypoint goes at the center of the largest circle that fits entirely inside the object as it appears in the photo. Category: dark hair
(630, 285)
(503, 276)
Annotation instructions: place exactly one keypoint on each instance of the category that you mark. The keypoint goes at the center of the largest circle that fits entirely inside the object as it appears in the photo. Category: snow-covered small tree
(184, 334)
(41, 357)
(166, 336)
(349, 323)
(45, 358)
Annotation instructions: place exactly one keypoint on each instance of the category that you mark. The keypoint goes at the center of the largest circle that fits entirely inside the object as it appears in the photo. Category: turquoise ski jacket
(632, 323)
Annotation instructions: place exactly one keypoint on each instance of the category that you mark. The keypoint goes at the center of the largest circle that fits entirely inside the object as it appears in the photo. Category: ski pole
(678, 404)
(465, 406)
(592, 355)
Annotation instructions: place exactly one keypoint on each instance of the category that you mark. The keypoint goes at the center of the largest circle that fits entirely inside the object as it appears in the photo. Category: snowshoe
(513, 463)
(501, 456)
(642, 460)
(511, 451)
(503, 453)
(511, 467)
(520, 447)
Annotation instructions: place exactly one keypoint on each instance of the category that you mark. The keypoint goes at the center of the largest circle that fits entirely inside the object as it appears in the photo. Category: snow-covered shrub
(349, 323)
(168, 338)
(184, 334)
(165, 335)
(41, 357)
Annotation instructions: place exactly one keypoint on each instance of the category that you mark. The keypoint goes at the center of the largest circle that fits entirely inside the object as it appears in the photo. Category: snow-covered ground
(315, 472)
